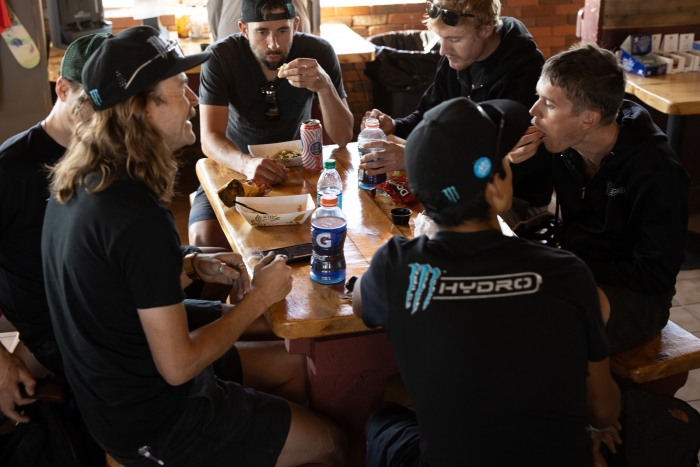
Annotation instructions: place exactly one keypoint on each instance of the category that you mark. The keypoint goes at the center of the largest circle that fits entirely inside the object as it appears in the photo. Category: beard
(273, 66)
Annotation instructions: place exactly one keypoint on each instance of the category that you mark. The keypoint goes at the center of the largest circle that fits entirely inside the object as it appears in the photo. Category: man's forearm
(184, 355)
(224, 151)
(337, 118)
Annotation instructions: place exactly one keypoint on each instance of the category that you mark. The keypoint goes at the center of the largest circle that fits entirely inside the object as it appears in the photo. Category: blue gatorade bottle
(328, 229)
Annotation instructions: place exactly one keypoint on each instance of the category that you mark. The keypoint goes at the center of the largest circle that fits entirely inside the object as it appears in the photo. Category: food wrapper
(396, 189)
(424, 225)
(235, 188)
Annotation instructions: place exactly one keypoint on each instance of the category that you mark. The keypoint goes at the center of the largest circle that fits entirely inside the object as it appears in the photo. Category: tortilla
(280, 70)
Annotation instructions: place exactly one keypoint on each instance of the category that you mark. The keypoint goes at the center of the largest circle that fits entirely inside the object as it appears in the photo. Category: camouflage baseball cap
(77, 54)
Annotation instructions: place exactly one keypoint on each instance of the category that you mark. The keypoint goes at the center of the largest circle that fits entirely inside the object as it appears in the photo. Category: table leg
(675, 130)
(346, 381)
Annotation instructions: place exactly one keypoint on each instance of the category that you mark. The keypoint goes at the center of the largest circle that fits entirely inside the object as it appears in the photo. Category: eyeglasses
(172, 46)
(272, 112)
(449, 17)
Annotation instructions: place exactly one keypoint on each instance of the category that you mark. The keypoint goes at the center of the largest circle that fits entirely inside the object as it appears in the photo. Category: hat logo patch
(95, 95)
(482, 167)
(451, 194)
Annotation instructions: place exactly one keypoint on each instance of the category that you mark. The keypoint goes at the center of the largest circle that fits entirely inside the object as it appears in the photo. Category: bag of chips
(396, 189)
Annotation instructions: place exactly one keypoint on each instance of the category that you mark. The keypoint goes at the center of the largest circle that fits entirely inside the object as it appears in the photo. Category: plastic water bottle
(329, 183)
(328, 229)
(372, 132)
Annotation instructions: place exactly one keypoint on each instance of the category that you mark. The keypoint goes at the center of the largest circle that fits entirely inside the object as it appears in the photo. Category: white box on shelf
(691, 61)
(685, 42)
(669, 43)
(678, 62)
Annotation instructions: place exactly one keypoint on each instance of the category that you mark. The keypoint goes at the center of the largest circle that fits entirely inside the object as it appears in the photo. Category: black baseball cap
(126, 64)
(452, 153)
(251, 11)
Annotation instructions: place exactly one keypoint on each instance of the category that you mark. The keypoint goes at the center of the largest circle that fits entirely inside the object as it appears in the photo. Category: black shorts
(224, 424)
(635, 318)
(393, 439)
(201, 209)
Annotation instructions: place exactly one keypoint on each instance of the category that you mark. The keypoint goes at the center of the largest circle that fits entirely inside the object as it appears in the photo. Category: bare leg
(604, 305)
(312, 441)
(268, 367)
(208, 233)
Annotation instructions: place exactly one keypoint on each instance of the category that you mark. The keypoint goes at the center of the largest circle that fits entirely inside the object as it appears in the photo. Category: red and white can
(311, 145)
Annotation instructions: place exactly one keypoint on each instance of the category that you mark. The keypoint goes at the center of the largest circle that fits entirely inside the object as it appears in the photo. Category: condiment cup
(400, 216)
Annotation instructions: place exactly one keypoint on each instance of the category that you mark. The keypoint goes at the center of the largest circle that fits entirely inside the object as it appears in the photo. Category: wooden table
(311, 310)
(347, 363)
(676, 95)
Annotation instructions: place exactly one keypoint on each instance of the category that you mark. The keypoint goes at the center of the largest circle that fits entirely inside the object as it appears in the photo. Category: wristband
(188, 266)
(592, 429)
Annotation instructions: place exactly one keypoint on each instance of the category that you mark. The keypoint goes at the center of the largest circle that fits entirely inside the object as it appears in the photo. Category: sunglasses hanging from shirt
(272, 112)
(449, 17)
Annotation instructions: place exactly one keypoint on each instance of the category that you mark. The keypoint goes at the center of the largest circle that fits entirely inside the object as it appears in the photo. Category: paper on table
(9, 340)
(269, 150)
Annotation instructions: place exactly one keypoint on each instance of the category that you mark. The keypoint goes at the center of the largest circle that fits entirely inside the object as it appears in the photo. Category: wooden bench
(672, 352)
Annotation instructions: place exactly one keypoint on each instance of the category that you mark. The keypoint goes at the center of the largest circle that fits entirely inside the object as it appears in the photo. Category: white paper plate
(269, 150)
(281, 210)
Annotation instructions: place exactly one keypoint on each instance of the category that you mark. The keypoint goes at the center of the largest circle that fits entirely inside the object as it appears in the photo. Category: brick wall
(552, 23)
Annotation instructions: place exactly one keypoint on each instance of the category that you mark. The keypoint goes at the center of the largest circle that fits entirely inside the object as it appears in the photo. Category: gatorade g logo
(323, 240)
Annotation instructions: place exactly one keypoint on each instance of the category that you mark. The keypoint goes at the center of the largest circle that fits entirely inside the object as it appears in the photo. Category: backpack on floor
(657, 431)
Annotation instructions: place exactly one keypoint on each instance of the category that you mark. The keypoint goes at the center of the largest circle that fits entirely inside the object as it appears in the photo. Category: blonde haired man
(484, 56)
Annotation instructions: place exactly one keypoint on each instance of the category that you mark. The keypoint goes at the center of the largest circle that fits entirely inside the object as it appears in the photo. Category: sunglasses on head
(449, 17)
(173, 46)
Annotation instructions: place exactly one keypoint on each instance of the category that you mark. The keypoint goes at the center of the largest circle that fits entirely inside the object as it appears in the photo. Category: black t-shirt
(492, 336)
(23, 198)
(106, 255)
(232, 77)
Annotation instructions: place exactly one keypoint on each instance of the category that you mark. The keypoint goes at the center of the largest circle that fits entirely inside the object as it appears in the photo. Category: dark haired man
(473, 315)
(484, 56)
(143, 382)
(623, 194)
(23, 194)
(240, 86)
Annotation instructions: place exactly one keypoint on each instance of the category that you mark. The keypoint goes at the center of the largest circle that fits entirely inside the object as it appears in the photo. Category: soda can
(311, 145)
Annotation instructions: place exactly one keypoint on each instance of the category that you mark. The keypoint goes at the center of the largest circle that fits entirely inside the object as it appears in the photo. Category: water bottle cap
(372, 123)
(329, 164)
(329, 200)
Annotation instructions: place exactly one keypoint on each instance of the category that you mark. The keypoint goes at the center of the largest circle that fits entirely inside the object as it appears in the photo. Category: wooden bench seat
(673, 351)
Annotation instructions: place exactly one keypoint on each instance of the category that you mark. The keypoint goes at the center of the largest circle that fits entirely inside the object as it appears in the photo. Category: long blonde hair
(117, 142)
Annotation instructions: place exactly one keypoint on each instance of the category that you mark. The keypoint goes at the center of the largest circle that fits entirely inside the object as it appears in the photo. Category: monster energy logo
(423, 277)
(96, 97)
(451, 194)
(426, 283)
